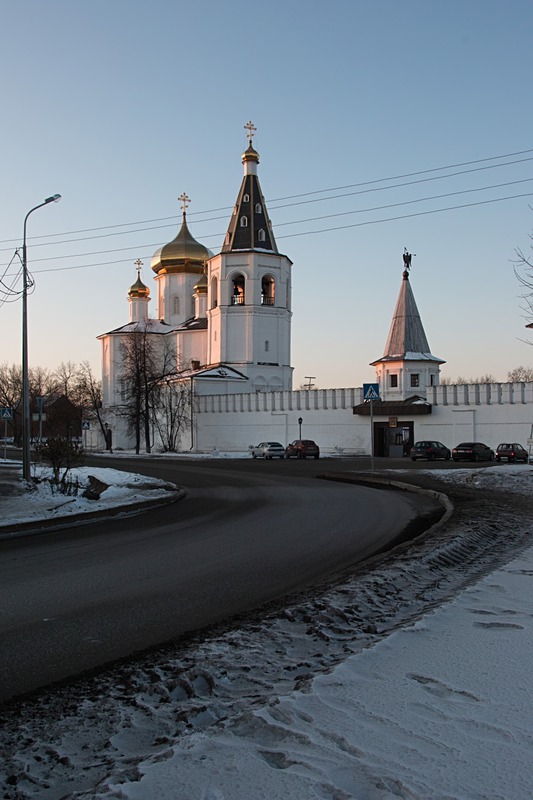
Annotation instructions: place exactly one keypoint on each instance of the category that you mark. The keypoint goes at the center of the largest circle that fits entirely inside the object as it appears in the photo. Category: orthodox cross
(138, 264)
(184, 201)
(251, 128)
(407, 258)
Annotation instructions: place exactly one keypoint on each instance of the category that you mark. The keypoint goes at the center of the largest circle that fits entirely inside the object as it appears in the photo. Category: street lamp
(300, 420)
(26, 430)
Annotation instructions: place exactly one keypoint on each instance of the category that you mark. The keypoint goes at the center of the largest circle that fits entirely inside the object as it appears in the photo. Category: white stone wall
(492, 414)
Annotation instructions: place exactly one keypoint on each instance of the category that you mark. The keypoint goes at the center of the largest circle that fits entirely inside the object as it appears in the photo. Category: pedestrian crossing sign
(370, 391)
(6, 413)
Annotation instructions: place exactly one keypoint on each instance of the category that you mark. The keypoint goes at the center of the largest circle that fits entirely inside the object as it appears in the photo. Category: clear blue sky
(121, 105)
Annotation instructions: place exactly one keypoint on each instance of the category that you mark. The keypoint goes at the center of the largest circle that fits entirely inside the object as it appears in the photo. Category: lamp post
(26, 429)
(300, 420)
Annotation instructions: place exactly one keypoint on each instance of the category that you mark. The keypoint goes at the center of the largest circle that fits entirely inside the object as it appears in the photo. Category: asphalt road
(247, 532)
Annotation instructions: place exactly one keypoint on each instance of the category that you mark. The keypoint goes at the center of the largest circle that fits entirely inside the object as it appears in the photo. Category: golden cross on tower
(251, 128)
(184, 201)
(138, 264)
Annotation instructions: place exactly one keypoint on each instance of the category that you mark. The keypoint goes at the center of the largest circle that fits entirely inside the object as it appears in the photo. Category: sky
(424, 695)
(120, 107)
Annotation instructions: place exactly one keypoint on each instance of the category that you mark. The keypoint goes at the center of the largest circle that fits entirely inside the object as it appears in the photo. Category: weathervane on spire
(138, 263)
(185, 200)
(251, 128)
(407, 258)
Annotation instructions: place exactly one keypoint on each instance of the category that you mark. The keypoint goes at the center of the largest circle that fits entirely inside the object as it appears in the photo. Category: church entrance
(393, 439)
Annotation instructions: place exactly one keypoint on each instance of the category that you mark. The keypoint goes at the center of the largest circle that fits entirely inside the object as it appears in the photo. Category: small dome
(201, 286)
(250, 155)
(182, 254)
(139, 289)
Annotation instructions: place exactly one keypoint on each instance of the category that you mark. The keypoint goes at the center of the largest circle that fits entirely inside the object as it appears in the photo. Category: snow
(399, 683)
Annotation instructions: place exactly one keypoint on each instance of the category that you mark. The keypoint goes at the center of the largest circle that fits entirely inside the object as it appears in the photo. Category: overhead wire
(295, 196)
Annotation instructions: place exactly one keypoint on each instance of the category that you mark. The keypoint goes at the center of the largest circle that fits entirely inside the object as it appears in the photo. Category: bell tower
(249, 291)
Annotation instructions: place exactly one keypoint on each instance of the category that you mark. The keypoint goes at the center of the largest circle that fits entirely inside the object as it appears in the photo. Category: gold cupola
(138, 289)
(182, 254)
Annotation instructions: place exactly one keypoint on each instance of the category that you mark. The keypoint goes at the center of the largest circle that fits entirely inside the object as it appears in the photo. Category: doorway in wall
(393, 439)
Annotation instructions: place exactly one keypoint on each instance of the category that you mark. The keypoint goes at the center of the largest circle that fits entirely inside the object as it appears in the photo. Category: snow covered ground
(410, 679)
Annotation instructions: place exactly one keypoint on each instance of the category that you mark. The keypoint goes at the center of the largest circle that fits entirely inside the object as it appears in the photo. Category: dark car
(268, 450)
(472, 451)
(429, 450)
(511, 452)
(301, 448)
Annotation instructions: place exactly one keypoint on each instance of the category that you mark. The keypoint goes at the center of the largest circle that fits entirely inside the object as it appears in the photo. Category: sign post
(6, 413)
(371, 393)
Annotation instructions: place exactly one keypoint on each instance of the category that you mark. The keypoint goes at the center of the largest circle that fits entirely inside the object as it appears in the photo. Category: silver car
(268, 450)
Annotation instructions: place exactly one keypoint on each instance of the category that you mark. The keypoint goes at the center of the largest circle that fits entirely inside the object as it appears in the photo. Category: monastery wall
(489, 413)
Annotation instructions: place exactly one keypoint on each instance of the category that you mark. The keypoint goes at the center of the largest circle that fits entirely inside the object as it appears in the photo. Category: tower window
(175, 305)
(267, 291)
(261, 235)
(258, 209)
(237, 298)
(415, 380)
(246, 198)
(244, 222)
(393, 381)
(267, 345)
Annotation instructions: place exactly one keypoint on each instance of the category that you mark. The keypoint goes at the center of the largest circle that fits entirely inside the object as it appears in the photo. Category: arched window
(244, 222)
(267, 291)
(175, 305)
(237, 297)
(246, 198)
(214, 292)
(261, 235)
(258, 209)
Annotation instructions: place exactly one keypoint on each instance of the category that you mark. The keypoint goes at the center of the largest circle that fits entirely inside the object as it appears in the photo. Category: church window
(267, 345)
(415, 380)
(244, 222)
(246, 198)
(214, 292)
(175, 305)
(261, 235)
(267, 291)
(393, 381)
(237, 298)
(258, 209)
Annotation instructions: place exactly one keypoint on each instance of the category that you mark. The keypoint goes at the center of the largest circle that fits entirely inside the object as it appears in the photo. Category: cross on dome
(251, 128)
(138, 263)
(185, 200)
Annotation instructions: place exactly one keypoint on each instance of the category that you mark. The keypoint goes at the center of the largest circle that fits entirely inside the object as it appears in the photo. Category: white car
(268, 450)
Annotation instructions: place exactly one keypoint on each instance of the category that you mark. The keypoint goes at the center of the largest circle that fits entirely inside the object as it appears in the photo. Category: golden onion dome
(182, 254)
(250, 154)
(200, 287)
(138, 289)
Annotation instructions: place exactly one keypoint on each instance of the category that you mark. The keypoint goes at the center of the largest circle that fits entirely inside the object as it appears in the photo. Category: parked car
(268, 450)
(472, 451)
(301, 448)
(429, 450)
(511, 452)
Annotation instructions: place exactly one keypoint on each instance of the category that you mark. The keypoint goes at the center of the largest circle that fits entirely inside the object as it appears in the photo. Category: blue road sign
(6, 413)
(370, 391)
(85, 425)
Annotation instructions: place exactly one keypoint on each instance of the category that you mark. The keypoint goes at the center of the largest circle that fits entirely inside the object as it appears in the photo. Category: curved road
(246, 533)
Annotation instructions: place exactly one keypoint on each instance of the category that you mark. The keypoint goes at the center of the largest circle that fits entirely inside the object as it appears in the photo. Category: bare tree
(11, 397)
(520, 375)
(147, 361)
(172, 411)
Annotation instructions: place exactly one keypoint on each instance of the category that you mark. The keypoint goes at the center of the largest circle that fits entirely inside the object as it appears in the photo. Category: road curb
(10, 531)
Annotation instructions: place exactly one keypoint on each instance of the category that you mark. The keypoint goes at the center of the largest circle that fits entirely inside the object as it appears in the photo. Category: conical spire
(407, 340)
(250, 227)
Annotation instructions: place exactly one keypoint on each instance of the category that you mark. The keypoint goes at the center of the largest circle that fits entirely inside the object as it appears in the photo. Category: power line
(312, 232)
(302, 221)
(304, 194)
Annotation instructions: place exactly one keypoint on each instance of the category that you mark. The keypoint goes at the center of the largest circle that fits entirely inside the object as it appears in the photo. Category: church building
(226, 317)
